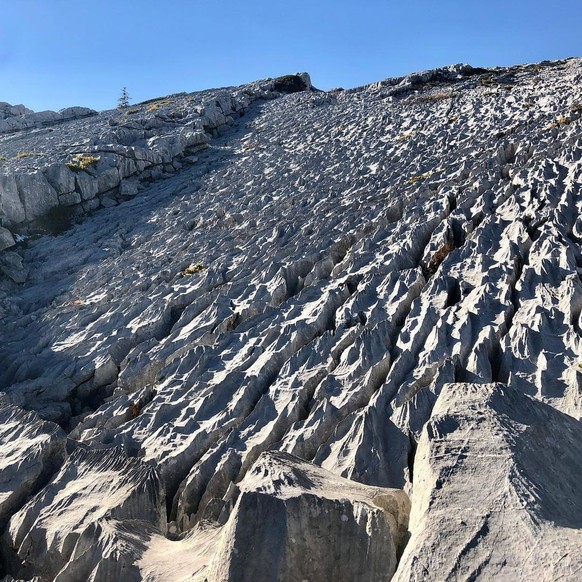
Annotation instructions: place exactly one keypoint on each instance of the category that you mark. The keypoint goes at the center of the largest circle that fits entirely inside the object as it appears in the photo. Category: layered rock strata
(116, 152)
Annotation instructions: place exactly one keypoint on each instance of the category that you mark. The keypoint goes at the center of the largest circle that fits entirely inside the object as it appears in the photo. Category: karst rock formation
(272, 333)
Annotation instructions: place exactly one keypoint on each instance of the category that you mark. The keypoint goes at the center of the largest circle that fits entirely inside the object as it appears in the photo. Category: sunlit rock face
(270, 300)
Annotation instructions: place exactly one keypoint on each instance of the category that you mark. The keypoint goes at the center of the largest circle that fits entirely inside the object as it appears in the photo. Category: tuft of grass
(419, 178)
(2, 158)
(193, 269)
(441, 254)
(576, 108)
(134, 409)
(23, 155)
(158, 104)
(560, 122)
(405, 135)
(433, 97)
(83, 162)
(131, 111)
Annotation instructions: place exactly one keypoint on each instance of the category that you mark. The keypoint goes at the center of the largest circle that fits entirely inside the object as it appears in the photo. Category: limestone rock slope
(382, 283)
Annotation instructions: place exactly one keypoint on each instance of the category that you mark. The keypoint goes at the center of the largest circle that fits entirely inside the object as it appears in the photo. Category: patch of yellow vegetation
(82, 162)
(193, 269)
(158, 104)
(419, 178)
(23, 155)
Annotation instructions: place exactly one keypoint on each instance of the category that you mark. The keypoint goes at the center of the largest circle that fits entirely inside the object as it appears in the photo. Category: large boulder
(11, 208)
(292, 83)
(37, 195)
(497, 490)
(76, 112)
(296, 521)
(61, 178)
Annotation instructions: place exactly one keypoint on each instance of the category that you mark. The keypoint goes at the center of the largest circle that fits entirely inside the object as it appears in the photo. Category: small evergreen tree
(123, 100)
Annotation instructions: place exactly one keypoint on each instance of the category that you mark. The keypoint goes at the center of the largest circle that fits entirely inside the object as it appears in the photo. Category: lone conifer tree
(124, 98)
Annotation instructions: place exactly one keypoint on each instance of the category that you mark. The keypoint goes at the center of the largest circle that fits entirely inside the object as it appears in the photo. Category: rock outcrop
(91, 486)
(142, 142)
(357, 282)
(498, 491)
(295, 521)
(31, 451)
(15, 118)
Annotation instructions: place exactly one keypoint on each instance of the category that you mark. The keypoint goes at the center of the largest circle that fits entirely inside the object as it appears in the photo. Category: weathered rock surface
(6, 239)
(15, 118)
(91, 485)
(31, 450)
(287, 520)
(295, 521)
(497, 490)
(307, 282)
(143, 141)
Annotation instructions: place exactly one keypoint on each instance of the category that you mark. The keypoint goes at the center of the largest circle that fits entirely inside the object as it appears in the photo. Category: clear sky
(57, 53)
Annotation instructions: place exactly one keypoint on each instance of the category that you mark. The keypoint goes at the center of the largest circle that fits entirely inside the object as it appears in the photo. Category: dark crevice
(495, 359)
(454, 293)
(175, 314)
(459, 233)
(412, 446)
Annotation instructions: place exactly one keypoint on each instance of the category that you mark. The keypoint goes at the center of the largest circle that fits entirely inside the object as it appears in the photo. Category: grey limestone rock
(11, 208)
(295, 521)
(90, 486)
(6, 239)
(11, 265)
(76, 111)
(384, 282)
(115, 145)
(497, 491)
(61, 178)
(18, 118)
(32, 451)
(37, 195)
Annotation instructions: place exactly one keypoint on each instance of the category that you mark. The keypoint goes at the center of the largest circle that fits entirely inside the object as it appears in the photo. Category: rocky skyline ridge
(273, 333)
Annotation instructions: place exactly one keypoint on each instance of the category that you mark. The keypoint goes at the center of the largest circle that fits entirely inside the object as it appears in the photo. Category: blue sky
(57, 53)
